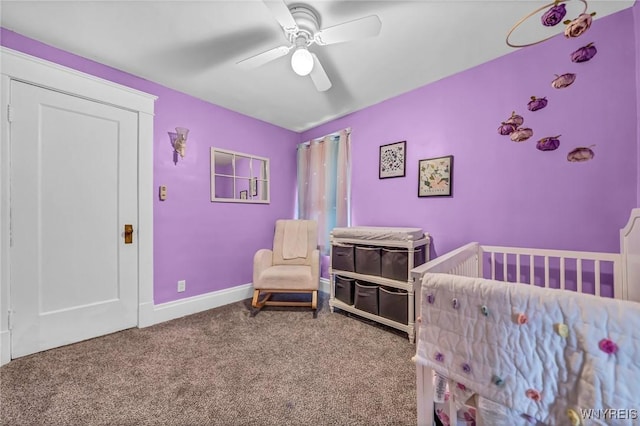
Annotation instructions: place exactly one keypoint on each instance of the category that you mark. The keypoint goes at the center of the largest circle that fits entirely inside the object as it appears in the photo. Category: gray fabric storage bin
(343, 257)
(345, 289)
(394, 262)
(366, 297)
(393, 304)
(368, 260)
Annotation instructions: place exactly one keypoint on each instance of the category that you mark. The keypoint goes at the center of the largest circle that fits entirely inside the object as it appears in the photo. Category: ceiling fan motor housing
(308, 23)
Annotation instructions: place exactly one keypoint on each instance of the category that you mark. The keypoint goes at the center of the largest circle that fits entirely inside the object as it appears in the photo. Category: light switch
(163, 192)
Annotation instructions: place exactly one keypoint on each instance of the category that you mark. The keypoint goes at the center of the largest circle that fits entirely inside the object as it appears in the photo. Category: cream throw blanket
(295, 240)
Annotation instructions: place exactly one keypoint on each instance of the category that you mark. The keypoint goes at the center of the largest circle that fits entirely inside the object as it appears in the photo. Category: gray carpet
(221, 367)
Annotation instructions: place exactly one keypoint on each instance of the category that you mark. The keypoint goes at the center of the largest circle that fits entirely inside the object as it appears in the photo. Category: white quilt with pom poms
(552, 356)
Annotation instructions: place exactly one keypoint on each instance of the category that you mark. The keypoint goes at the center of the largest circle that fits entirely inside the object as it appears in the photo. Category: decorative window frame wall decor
(392, 160)
(253, 186)
(239, 178)
(435, 177)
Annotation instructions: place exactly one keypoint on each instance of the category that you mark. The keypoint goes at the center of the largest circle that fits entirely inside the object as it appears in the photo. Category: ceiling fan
(301, 26)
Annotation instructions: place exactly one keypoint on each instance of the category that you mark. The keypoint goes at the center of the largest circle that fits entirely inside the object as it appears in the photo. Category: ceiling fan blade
(281, 12)
(319, 76)
(264, 57)
(368, 26)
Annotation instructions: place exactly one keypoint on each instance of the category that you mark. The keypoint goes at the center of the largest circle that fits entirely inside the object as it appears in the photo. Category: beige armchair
(293, 266)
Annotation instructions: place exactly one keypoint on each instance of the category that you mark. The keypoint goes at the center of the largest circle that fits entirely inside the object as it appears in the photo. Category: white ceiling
(193, 47)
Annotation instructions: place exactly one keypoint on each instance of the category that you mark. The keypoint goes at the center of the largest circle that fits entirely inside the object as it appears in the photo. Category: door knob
(128, 234)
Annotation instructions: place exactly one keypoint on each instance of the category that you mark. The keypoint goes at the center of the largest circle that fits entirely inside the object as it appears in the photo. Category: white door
(73, 190)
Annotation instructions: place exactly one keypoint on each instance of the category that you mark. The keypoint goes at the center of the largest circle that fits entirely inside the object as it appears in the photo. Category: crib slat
(517, 268)
(562, 273)
(618, 290)
(425, 390)
(546, 271)
(504, 267)
(597, 277)
(451, 406)
(493, 266)
(579, 274)
(532, 272)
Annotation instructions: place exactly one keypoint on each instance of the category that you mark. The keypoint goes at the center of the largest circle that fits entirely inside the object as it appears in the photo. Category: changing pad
(376, 233)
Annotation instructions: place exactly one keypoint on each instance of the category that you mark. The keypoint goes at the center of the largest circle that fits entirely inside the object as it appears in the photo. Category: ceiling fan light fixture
(302, 61)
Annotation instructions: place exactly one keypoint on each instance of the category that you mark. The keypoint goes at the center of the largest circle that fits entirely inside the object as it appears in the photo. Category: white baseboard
(154, 314)
(150, 315)
(5, 347)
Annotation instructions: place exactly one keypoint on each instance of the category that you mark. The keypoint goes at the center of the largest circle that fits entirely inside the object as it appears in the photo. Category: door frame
(49, 75)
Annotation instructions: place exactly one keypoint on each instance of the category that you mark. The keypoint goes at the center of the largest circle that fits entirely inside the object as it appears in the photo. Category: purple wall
(508, 193)
(210, 245)
(504, 192)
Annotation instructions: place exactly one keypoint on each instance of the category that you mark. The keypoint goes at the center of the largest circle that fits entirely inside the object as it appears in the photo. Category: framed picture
(435, 177)
(243, 195)
(393, 160)
(253, 185)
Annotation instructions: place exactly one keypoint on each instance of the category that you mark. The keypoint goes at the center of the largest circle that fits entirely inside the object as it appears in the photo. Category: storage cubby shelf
(382, 320)
(346, 256)
(373, 279)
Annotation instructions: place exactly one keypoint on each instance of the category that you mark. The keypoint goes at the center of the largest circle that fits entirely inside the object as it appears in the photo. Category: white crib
(602, 274)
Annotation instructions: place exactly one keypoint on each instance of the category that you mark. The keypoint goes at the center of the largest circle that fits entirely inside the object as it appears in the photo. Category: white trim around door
(28, 69)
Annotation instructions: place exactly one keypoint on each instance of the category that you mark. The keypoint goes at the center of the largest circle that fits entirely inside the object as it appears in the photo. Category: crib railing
(462, 261)
(585, 272)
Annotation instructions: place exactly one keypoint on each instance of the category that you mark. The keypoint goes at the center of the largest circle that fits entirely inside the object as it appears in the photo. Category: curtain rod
(333, 134)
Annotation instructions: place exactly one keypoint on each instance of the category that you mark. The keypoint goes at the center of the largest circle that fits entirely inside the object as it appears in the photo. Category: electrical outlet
(182, 286)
